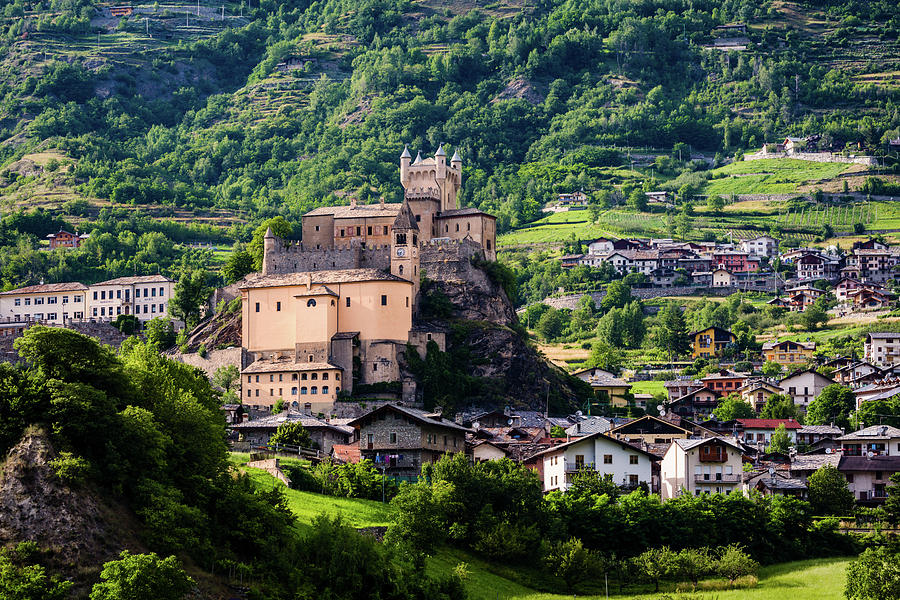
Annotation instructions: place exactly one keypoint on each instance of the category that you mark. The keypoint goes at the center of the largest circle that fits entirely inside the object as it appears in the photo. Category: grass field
(308, 505)
(771, 176)
(648, 387)
(821, 579)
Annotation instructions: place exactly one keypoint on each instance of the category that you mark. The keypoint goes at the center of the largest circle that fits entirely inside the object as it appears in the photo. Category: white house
(600, 246)
(712, 465)
(629, 466)
(764, 245)
(759, 431)
(880, 440)
(882, 348)
(722, 278)
(145, 296)
(804, 386)
(53, 303)
(869, 477)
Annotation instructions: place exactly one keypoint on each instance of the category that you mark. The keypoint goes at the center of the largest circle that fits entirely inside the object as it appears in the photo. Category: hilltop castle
(337, 310)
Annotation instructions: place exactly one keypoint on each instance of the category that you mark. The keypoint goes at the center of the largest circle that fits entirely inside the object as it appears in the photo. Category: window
(324, 389)
(257, 393)
(317, 227)
(310, 303)
(384, 230)
(358, 231)
(632, 480)
(342, 233)
(374, 366)
(314, 376)
(314, 390)
(633, 459)
(95, 295)
(103, 294)
(137, 292)
(393, 437)
(303, 376)
(18, 302)
(384, 300)
(161, 292)
(607, 459)
(579, 461)
(249, 393)
(51, 300)
(257, 379)
(249, 378)
(369, 230)
(337, 376)
(303, 390)
(162, 308)
(278, 307)
(257, 307)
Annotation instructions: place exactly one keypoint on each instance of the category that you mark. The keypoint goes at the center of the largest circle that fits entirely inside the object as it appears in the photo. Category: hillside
(220, 116)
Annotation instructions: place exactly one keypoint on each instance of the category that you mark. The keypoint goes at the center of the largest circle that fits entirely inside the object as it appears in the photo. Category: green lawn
(308, 505)
(821, 579)
(771, 176)
(648, 387)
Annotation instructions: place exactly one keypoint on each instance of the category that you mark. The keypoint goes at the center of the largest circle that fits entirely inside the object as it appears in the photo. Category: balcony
(717, 478)
(575, 468)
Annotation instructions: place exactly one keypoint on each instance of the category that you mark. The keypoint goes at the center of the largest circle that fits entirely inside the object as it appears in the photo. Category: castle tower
(269, 248)
(405, 249)
(432, 178)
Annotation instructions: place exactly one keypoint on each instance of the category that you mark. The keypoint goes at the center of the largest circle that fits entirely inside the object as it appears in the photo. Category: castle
(336, 311)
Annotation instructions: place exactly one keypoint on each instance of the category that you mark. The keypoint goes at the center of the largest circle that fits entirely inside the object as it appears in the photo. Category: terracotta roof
(769, 423)
(271, 366)
(319, 277)
(358, 211)
(135, 280)
(45, 288)
(348, 453)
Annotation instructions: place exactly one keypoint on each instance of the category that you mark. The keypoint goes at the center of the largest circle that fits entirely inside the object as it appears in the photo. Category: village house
(871, 265)
(868, 299)
(868, 477)
(628, 466)
(804, 386)
(399, 439)
(789, 353)
(882, 348)
(695, 405)
(776, 483)
(814, 265)
(144, 296)
(802, 297)
(856, 373)
(764, 245)
(723, 381)
(757, 392)
(600, 247)
(649, 430)
(66, 239)
(485, 450)
(710, 342)
(809, 435)
(880, 389)
(677, 388)
(53, 303)
(734, 261)
(322, 434)
(880, 440)
(604, 382)
(722, 278)
(696, 466)
(759, 431)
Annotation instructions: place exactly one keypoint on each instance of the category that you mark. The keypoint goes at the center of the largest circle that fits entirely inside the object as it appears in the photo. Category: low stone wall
(270, 466)
(571, 300)
(825, 157)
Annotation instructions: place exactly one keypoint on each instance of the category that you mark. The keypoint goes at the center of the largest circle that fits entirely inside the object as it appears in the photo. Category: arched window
(400, 269)
(311, 302)
(314, 390)
(294, 392)
(324, 389)
(303, 391)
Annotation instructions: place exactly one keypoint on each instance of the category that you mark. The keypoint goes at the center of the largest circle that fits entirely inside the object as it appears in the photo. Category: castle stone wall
(298, 258)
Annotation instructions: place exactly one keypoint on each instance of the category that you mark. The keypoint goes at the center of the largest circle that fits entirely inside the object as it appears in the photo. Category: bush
(70, 468)
(142, 576)
(874, 575)
(734, 563)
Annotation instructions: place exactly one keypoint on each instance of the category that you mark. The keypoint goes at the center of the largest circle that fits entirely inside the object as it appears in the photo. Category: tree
(670, 333)
(611, 328)
(734, 563)
(239, 264)
(779, 406)
(142, 576)
(772, 369)
(127, 324)
(693, 563)
(638, 200)
(583, 315)
(874, 575)
(256, 248)
(633, 324)
(225, 377)
(605, 356)
(190, 297)
(160, 332)
(815, 315)
(571, 562)
(654, 564)
(22, 580)
(551, 325)
(715, 203)
(617, 295)
(828, 492)
(419, 525)
(833, 405)
(291, 433)
(892, 504)
(733, 407)
(780, 441)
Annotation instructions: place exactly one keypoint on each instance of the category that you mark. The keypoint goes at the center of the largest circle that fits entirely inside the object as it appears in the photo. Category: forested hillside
(229, 116)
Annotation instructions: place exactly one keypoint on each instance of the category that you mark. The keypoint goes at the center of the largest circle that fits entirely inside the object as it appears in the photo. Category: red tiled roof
(349, 453)
(769, 423)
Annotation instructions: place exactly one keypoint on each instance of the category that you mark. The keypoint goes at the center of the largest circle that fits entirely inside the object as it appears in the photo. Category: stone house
(323, 434)
(400, 439)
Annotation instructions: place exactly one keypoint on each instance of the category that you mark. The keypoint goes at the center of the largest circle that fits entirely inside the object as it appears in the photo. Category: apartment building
(145, 296)
(53, 303)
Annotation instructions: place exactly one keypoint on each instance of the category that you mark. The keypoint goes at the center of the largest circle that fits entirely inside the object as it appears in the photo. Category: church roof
(405, 218)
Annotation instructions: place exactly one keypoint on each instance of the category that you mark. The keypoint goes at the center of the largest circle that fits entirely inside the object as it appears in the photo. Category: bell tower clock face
(401, 251)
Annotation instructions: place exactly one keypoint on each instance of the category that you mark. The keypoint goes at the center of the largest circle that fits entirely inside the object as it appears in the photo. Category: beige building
(53, 303)
(431, 188)
(145, 296)
(711, 465)
(882, 348)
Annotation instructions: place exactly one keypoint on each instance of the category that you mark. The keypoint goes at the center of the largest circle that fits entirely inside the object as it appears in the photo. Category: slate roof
(273, 421)
(876, 463)
(778, 483)
(135, 280)
(415, 414)
(875, 432)
(405, 218)
(273, 366)
(600, 435)
(821, 429)
(318, 278)
(689, 444)
(46, 288)
(813, 462)
(464, 212)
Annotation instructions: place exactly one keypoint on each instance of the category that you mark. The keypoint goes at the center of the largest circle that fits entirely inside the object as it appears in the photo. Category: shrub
(70, 468)
(734, 563)
(141, 576)
(874, 575)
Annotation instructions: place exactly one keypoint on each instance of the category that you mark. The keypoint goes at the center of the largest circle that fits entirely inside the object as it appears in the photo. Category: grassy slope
(771, 176)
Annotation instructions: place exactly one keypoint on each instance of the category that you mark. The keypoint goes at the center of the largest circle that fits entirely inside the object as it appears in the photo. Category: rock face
(81, 530)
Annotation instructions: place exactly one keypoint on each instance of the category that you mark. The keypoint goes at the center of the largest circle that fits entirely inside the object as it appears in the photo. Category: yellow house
(650, 430)
(756, 393)
(789, 353)
(614, 388)
(710, 342)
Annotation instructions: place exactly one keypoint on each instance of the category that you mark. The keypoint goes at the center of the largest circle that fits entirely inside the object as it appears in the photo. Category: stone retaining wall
(825, 157)
(571, 300)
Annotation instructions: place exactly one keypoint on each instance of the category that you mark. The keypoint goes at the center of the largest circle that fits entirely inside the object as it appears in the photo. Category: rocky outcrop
(78, 529)
(222, 330)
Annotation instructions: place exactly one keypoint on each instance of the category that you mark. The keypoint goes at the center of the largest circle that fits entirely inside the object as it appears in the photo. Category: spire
(440, 151)
(456, 157)
(405, 218)
(269, 233)
(406, 153)
(418, 158)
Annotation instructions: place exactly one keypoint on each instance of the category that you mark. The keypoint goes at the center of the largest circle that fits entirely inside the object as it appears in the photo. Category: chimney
(381, 202)
(352, 202)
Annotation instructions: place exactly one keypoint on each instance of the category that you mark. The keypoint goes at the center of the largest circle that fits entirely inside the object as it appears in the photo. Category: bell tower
(405, 249)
